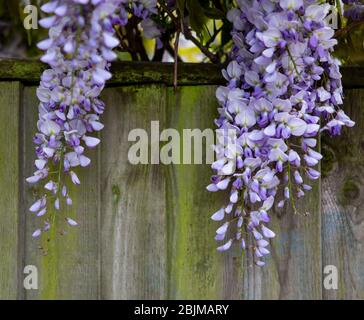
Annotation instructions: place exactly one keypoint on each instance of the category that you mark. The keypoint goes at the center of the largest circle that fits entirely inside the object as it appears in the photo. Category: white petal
(297, 126)
(49, 7)
(246, 118)
(212, 187)
(270, 131)
(229, 168)
(97, 126)
(110, 41)
(40, 164)
(84, 161)
(223, 184)
(33, 179)
(218, 215)
(71, 222)
(226, 246)
(47, 22)
(234, 197)
(36, 233)
(36, 206)
(223, 228)
(268, 203)
(267, 232)
(91, 142)
(45, 44)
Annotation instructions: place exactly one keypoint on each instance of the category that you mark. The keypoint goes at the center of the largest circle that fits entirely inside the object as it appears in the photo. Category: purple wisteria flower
(79, 50)
(354, 10)
(284, 88)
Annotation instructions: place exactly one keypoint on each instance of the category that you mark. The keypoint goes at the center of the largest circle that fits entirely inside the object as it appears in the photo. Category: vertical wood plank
(10, 260)
(293, 269)
(70, 270)
(197, 270)
(133, 211)
(343, 203)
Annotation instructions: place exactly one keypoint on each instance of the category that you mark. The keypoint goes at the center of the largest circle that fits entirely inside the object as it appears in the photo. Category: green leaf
(226, 32)
(214, 13)
(196, 14)
(181, 4)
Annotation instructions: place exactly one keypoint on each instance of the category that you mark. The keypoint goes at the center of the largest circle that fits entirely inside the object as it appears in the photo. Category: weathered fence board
(145, 231)
(343, 204)
(294, 270)
(197, 271)
(133, 207)
(70, 269)
(10, 260)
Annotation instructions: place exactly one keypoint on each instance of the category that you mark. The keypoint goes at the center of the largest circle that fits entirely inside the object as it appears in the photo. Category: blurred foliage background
(201, 25)
(15, 40)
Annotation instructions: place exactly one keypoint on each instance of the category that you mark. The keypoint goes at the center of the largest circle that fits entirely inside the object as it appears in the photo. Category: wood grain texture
(197, 270)
(343, 203)
(9, 190)
(293, 270)
(133, 210)
(70, 270)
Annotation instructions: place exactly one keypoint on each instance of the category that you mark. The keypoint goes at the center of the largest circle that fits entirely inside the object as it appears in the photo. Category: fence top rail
(127, 73)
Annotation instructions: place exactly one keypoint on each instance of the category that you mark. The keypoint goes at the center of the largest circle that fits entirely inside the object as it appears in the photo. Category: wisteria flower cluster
(284, 88)
(78, 51)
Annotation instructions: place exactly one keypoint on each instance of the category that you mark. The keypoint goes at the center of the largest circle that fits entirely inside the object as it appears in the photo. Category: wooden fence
(145, 231)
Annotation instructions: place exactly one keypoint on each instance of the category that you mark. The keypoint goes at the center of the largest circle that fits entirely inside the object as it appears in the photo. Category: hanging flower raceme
(284, 88)
(79, 50)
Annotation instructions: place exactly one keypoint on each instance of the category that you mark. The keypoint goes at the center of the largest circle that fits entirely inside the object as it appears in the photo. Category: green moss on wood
(123, 72)
(349, 192)
(327, 163)
(48, 275)
(9, 192)
(196, 266)
(116, 193)
(150, 72)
